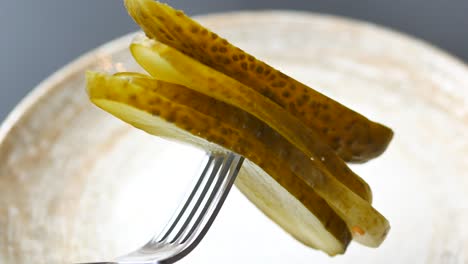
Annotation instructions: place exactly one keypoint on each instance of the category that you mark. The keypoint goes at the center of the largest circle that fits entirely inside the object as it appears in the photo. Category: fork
(192, 219)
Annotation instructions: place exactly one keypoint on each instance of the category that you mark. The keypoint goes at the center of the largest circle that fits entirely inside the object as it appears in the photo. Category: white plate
(79, 185)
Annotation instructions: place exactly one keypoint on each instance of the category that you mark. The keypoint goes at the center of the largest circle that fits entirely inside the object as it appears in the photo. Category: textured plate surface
(78, 185)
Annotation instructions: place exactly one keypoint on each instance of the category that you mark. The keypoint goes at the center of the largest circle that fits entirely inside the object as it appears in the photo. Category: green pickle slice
(353, 137)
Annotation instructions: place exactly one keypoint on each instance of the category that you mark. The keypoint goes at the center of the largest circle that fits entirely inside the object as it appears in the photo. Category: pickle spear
(352, 136)
(175, 112)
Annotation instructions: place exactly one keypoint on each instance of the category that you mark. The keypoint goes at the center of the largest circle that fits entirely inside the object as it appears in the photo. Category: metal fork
(193, 218)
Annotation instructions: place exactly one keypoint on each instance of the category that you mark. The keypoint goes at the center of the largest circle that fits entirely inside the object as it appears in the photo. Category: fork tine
(228, 174)
(194, 210)
(195, 216)
(215, 191)
(183, 207)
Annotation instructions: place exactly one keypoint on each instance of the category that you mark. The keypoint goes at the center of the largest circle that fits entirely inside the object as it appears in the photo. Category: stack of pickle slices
(204, 91)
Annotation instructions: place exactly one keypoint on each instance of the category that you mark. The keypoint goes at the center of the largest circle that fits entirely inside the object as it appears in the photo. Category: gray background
(40, 36)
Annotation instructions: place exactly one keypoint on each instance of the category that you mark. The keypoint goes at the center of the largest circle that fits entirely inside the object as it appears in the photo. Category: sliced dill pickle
(267, 179)
(351, 135)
